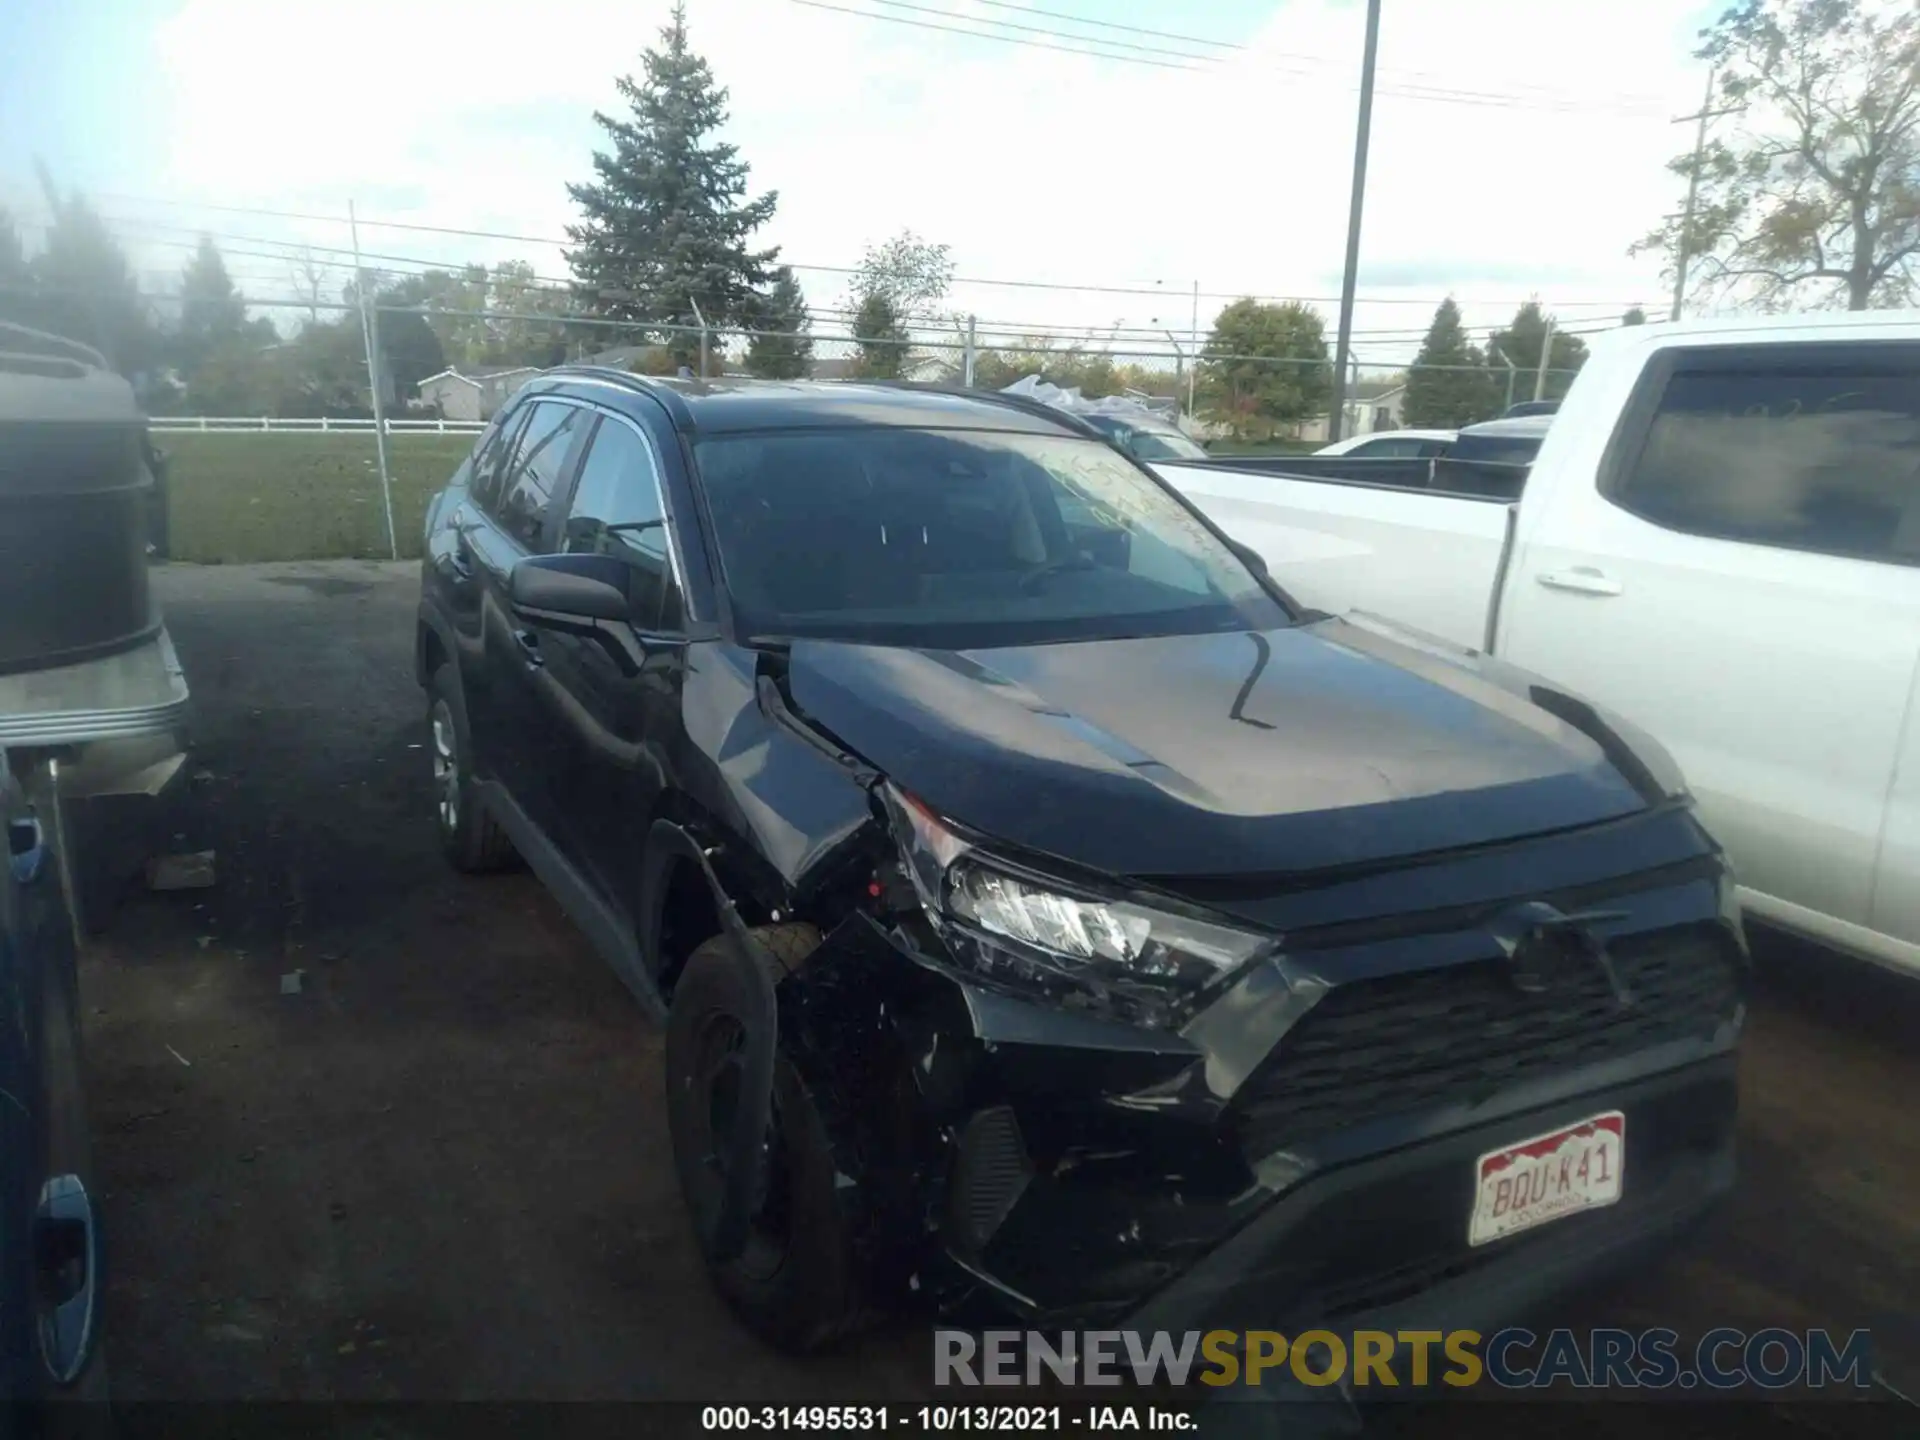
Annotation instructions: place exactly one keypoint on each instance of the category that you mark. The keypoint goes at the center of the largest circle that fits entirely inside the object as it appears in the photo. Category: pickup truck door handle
(1583, 579)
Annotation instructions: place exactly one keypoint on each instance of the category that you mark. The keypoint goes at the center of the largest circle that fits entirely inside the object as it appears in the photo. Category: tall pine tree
(211, 309)
(85, 288)
(1448, 385)
(666, 226)
(880, 338)
(783, 350)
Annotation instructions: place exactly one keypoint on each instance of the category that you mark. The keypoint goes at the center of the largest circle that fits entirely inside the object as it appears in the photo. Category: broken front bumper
(1304, 1151)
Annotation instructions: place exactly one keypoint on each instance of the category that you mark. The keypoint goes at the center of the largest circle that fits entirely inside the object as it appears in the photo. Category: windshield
(956, 539)
(1147, 443)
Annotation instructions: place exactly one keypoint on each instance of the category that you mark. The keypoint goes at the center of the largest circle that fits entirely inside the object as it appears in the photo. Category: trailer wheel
(794, 1285)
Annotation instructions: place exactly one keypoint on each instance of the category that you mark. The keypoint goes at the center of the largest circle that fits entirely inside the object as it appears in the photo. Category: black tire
(470, 836)
(796, 1285)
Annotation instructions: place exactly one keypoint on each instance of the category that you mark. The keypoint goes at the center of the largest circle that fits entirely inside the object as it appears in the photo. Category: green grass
(1263, 447)
(237, 498)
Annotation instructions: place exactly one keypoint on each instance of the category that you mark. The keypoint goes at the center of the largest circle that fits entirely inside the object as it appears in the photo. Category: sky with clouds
(1518, 148)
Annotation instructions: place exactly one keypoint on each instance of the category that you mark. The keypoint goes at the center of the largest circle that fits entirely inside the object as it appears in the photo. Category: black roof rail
(674, 402)
(999, 397)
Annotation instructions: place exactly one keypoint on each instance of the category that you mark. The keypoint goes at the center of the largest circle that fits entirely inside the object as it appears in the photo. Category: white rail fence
(282, 425)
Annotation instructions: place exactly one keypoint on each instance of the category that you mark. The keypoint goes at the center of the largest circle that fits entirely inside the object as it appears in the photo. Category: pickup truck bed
(1718, 543)
(1344, 544)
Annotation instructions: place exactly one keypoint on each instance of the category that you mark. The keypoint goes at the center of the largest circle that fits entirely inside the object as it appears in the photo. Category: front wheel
(794, 1284)
(470, 836)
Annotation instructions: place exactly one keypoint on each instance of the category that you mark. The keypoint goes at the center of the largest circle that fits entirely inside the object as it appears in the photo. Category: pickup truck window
(1801, 454)
(954, 539)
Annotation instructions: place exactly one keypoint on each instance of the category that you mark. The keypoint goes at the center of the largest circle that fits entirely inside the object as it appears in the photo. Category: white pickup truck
(1720, 542)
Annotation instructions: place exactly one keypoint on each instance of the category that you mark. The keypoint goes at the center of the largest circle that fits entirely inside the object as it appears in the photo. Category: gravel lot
(441, 1170)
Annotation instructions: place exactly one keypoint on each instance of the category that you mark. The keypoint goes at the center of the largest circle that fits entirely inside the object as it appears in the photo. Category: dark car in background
(1507, 441)
(1522, 409)
(1045, 910)
(1145, 438)
(49, 1242)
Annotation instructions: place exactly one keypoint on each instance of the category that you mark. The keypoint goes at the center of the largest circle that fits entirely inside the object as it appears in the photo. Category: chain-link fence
(323, 474)
(1243, 398)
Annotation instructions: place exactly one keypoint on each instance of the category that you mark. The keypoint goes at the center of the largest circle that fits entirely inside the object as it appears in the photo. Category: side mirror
(574, 587)
(1249, 557)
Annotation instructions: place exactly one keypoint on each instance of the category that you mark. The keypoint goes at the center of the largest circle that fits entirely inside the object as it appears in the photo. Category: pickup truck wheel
(795, 1284)
(472, 839)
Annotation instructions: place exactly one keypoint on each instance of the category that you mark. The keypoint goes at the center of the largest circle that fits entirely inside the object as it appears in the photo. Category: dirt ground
(440, 1169)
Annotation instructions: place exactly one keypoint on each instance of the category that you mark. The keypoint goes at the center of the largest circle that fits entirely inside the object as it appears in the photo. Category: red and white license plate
(1549, 1177)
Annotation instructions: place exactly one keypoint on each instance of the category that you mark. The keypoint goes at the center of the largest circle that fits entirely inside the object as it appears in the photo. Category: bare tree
(309, 278)
(1816, 199)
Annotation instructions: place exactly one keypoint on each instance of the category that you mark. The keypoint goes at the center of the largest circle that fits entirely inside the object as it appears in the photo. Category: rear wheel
(794, 1284)
(472, 838)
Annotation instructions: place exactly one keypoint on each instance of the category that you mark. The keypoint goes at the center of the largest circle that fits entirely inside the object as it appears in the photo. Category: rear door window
(539, 461)
(1812, 447)
(495, 456)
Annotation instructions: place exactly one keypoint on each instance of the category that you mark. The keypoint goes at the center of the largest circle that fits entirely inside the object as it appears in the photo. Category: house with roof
(473, 392)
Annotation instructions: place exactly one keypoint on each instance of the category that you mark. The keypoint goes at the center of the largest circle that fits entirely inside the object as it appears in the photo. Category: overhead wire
(1156, 290)
(1412, 90)
(1237, 46)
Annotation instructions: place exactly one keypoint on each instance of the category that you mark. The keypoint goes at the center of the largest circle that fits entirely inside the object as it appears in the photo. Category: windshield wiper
(1031, 582)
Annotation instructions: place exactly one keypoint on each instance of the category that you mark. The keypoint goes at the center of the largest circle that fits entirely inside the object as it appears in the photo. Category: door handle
(461, 560)
(529, 644)
(26, 848)
(66, 1275)
(1582, 580)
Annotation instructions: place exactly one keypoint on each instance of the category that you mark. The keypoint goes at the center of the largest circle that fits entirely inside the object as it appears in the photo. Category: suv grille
(1378, 1048)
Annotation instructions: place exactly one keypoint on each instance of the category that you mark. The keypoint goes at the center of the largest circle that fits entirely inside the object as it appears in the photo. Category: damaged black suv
(1044, 909)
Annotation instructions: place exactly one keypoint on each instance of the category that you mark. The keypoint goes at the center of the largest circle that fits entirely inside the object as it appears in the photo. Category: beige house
(1370, 408)
(473, 393)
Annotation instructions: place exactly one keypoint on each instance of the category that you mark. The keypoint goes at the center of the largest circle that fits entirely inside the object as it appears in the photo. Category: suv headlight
(1085, 950)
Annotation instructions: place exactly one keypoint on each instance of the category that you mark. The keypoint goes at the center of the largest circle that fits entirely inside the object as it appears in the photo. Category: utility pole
(370, 333)
(703, 334)
(967, 355)
(1338, 404)
(1193, 343)
(1180, 365)
(1682, 257)
(1540, 372)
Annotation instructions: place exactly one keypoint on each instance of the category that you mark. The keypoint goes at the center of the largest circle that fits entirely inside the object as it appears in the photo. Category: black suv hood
(1241, 753)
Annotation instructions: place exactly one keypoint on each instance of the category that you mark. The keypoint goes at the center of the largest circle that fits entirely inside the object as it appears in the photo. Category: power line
(1633, 101)
(1158, 291)
(1109, 25)
(989, 35)
(1041, 30)
(1407, 91)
